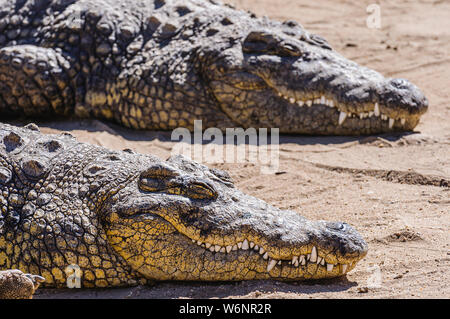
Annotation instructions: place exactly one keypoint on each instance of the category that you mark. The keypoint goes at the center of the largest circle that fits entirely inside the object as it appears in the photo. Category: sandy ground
(394, 189)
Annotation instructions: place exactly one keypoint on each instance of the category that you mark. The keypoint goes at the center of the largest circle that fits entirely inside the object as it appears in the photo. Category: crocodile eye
(159, 171)
(260, 42)
(155, 177)
(201, 190)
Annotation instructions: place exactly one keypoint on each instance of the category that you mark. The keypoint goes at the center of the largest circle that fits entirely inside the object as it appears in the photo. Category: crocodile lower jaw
(322, 100)
(297, 261)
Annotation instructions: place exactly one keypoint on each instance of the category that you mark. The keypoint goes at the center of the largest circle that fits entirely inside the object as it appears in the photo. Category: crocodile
(121, 219)
(161, 64)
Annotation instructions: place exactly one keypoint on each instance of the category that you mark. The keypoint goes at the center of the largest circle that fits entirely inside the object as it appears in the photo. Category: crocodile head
(278, 75)
(179, 220)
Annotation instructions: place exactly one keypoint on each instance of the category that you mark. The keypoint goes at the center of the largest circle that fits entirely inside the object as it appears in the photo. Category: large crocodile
(126, 219)
(161, 64)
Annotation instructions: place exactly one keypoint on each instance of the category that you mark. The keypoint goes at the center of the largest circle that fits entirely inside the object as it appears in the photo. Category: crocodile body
(126, 219)
(163, 64)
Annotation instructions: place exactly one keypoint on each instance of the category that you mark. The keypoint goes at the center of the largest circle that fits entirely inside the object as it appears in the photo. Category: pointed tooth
(295, 259)
(391, 122)
(265, 256)
(252, 244)
(308, 257)
(300, 103)
(403, 121)
(239, 245)
(245, 245)
(313, 254)
(217, 248)
(330, 267)
(302, 260)
(279, 94)
(344, 268)
(376, 110)
(279, 262)
(370, 114)
(322, 99)
(292, 100)
(193, 240)
(222, 250)
(256, 248)
(261, 250)
(271, 264)
(331, 103)
(319, 260)
(208, 245)
(199, 242)
(211, 248)
(235, 247)
(342, 117)
(229, 248)
(322, 262)
(361, 116)
(309, 102)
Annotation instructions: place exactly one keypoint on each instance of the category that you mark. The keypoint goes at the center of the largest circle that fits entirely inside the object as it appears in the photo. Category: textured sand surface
(394, 189)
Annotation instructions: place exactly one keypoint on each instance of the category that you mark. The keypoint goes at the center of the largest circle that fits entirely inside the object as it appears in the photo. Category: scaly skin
(163, 64)
(127, 218)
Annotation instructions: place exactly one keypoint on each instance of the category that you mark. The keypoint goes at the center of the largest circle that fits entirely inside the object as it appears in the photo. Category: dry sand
(393, 188)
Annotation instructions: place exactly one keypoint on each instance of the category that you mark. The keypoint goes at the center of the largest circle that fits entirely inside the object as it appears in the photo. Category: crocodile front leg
(35, 81)
(15, 284)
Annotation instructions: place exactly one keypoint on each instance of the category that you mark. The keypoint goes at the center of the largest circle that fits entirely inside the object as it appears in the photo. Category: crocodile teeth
(302, 260)
(322, 262)
(252, 244)
(331, 103)
(235, 247)
(330, 267)
(313, 257)
(391, 122)
(319, 260)
(265, 256)
(208, 245)
(322, 100)
(245, 245)
(295, 261)
(211, 248)
(300, 103)
(229, 249)
(403, 121)
(239, 245)
(309, 102)
(217, 248)
(271, 264)
(344, 268)
(292, 100)
(342, 117)
(261, 251)
(376, 110)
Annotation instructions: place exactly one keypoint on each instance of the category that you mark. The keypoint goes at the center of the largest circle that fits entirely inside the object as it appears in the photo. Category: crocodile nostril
(337, 226)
